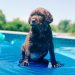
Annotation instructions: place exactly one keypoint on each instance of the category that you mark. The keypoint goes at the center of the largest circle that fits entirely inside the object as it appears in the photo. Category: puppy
(39, 40)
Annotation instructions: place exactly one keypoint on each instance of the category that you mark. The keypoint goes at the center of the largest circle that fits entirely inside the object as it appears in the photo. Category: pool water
(10, 55)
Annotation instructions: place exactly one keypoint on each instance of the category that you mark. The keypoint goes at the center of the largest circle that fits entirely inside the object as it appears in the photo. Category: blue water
(10, 54)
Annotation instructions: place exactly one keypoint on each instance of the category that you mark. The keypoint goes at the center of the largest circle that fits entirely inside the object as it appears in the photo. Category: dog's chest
(42, 38)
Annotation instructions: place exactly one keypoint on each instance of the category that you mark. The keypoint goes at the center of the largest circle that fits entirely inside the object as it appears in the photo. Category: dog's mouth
(39, 28)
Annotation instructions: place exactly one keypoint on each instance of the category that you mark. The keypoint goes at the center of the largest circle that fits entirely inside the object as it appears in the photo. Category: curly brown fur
(42, 12)
(39, 40)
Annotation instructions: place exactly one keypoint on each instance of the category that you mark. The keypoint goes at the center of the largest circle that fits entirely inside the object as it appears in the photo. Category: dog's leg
(25, 57)
(22, 57)
(51, 51)
(27, 54)
(54, 63)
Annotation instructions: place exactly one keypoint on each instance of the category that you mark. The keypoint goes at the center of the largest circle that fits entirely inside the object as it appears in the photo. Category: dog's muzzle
(37, 26)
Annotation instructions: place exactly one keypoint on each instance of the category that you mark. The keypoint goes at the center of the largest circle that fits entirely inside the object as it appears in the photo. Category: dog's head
(40, 19)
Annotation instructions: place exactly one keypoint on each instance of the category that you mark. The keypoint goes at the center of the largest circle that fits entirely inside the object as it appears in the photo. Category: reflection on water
(67, 51)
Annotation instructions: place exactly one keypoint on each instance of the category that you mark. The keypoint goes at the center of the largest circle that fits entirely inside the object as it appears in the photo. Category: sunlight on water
(12, 42)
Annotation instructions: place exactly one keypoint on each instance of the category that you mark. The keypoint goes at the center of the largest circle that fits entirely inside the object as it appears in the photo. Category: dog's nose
(33, 20)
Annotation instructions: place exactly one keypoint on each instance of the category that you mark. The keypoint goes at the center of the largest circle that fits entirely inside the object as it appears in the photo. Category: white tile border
(64, 36)
(56, 35)
(13, 32)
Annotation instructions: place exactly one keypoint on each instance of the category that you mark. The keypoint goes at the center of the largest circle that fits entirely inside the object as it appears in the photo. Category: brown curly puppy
(39, 40)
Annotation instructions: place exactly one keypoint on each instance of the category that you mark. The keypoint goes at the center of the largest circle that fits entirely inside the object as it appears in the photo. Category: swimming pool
(10, 54)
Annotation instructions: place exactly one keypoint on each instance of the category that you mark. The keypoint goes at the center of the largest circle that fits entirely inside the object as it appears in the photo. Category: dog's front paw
(24, 62)
(56, 65)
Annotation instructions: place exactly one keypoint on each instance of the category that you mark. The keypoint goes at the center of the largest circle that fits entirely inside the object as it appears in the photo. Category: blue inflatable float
(2, 37)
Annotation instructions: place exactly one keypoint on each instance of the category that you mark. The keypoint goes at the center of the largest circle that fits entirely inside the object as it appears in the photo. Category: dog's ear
(48, 16)
(29, 19)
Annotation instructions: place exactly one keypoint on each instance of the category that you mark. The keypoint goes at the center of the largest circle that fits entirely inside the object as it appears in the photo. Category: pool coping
(56, 35)
(63, 36)
(13, 32)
